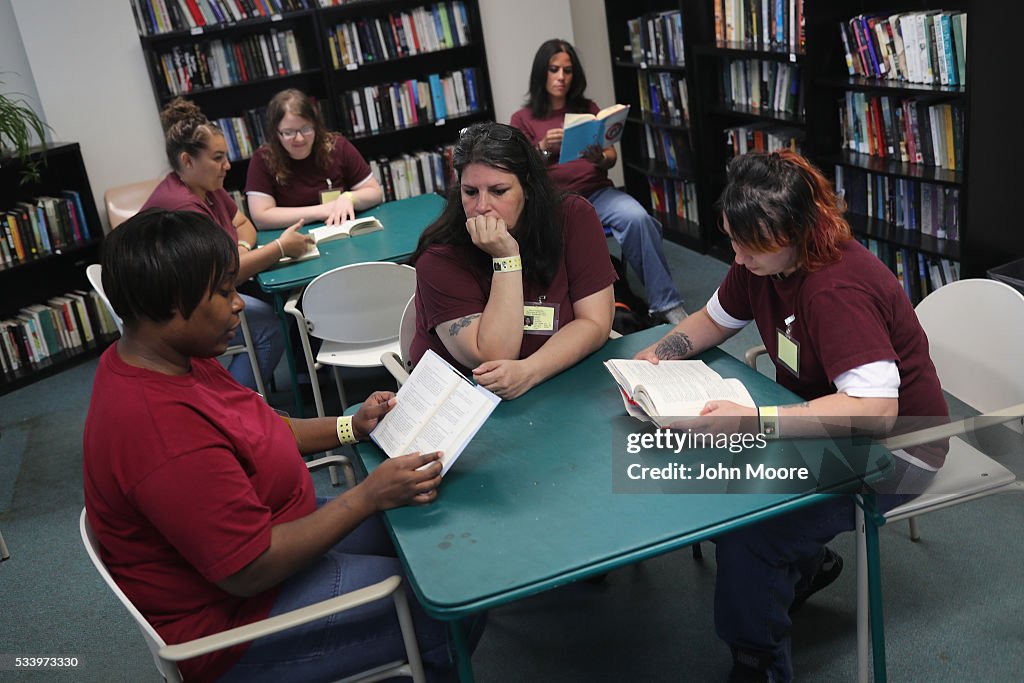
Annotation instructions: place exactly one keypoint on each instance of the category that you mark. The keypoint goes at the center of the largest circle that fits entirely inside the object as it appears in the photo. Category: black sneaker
(828, 571)
(748, 668)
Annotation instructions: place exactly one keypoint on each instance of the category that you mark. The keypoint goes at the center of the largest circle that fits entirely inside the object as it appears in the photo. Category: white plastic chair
(974, 329)
(166, 656)
(124, 201)
(353, 309)
(94, 272)
(4, 553)
(400, 364)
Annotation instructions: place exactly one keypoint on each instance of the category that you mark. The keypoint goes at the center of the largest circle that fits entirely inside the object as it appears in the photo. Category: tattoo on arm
(673, 347)
(461, 323)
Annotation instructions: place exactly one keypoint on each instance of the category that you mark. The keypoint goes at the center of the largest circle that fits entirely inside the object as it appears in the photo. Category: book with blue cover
(583, 130)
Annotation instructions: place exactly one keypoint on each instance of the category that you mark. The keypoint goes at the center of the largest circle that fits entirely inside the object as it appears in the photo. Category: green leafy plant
(19, 128)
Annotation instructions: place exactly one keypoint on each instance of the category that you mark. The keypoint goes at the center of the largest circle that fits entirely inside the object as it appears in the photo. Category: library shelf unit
(313, 29)
(37, 280)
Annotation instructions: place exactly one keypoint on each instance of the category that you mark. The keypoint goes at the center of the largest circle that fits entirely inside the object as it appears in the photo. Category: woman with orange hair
(843, 336)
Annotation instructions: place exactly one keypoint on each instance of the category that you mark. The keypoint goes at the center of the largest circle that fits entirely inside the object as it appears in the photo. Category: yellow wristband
(351, 197)
(245, 245)
(280, 246)
(768, 421)
(346, 435)
(508, 264)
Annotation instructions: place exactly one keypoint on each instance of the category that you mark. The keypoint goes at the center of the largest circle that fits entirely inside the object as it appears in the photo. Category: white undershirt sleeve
(880, 379)
(721, 318)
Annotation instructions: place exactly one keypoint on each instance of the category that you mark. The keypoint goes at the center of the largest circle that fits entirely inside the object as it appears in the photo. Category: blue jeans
(267, 340)
(344, 644)
(639, 234)
(761, 565)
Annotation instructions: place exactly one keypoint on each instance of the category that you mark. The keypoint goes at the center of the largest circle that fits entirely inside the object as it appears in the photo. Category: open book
(326, 233)
(672, 388)
(583, 130)
(438, 410)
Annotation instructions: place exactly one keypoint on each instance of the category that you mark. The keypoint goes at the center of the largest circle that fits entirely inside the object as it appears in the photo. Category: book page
(456, 421)
(608, 111)
(311, 253)
(677, 388)
(575, 119)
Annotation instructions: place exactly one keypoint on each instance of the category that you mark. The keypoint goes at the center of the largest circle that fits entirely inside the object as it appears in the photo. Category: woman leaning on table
(843, 336)
(197, 491)
(198, 155)
(305, 172)
(513, 281)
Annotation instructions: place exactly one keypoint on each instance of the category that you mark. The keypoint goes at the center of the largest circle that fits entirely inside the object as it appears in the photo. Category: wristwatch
(544, 154)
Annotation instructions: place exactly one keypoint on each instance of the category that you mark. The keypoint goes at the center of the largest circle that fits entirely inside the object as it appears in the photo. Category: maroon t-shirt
(848, 314)
(307, 180)
(580, 176)
(185, 476)
(449, 285)
(172, 194)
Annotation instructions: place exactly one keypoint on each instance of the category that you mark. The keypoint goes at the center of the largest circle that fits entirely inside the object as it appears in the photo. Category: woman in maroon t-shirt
(512, 282)
(303, 171)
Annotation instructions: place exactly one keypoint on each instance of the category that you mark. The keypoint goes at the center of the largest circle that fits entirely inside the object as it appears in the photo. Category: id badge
(788, 350)
(540, 318)
(328, 196)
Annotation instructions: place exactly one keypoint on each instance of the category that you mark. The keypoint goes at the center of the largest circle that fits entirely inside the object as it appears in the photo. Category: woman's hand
(406, 480)
(648, 354)
(552, 140)
(294, 243)
(369, 414)
(507, 378)
(594, 154)
(340, 210)
(491, 235)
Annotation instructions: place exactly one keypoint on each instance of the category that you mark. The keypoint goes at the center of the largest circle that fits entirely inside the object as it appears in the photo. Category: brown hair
(780, 199)
(186, 129)
(296, 102)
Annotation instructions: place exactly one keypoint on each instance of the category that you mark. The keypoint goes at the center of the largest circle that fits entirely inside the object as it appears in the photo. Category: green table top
(529, 504)
(403, 221)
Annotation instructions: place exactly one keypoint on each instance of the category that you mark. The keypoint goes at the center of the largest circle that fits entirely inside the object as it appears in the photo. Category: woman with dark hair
(557, 87)
(196, 489)
(513, 281)
(843, 336)
(304, 171)
(198, 155)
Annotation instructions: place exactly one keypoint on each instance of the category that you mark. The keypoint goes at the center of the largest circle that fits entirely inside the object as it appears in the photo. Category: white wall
(92, 82)
(15, 71)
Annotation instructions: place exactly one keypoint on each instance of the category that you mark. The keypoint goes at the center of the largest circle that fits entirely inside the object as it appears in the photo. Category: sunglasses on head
(501, 133)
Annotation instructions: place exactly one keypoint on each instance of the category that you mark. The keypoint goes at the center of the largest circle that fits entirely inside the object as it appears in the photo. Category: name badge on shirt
(788, 348)
(540, 317)
(328, 196)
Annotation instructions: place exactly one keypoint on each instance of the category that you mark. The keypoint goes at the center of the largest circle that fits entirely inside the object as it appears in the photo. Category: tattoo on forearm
(461, 323)
(674, 346)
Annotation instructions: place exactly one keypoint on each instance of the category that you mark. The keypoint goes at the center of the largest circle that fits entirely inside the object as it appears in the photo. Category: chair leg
(4, 554)
(251, 351)
(862, 597)
(915, 531)
(698, 554)
(341, 388)
(412, 648)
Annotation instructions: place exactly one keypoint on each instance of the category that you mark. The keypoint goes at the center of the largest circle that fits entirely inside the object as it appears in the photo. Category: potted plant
(19, 128)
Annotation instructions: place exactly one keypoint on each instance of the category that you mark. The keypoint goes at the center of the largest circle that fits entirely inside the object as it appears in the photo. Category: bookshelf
(984, 182)
(52, 274)
(371, 48)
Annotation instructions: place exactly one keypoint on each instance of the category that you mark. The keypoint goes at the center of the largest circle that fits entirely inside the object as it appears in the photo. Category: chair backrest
(358, 304)
(975, 328)
(94, 272)
(153, 639)
(124, 201)
(406, 331)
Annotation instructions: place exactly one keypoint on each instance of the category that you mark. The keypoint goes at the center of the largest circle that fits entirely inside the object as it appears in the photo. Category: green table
(403, 222)
(529, 505)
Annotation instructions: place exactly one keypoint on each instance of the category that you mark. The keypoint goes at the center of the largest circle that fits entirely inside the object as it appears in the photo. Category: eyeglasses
(499, 132)
(290, 133)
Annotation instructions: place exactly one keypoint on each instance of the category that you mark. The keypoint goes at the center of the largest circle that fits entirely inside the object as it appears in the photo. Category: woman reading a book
(305, 172)
(198, 155)
(843, 336)
(513, 281)
(557, 85)
(196, 489)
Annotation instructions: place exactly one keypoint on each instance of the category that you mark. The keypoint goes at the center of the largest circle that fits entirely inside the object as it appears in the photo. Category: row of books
(912, 130)
(918, 273)
(441, 26)
(663, 96)
(153, 17)
(657, 38)
(33, 229)
(674, 198)
(668, 148)
(762, 85)
(219, 63)
(245, 133)
(927, 208)
(763, 137)
(394, 106)
(919, 47)
(414, 174)
(63, 324)
(761, 23)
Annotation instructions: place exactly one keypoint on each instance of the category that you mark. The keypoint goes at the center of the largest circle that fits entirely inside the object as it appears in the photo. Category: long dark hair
(537, 99)
(539, 230)
(296, 102)
(780, 199)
